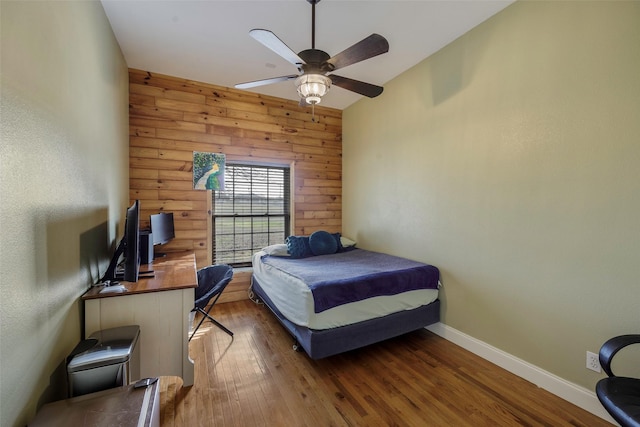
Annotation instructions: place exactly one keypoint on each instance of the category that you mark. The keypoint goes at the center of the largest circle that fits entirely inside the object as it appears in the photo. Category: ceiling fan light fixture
(312, 87)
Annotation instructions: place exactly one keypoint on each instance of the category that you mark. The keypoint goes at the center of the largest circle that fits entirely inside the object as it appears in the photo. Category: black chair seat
(212, 280)
(621, 398)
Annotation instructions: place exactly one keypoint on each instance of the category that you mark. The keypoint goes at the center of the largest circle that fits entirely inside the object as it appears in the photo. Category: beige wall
(63, 186)
(510, 160)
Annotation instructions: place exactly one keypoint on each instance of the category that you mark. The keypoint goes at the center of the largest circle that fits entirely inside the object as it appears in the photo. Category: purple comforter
(356, 275)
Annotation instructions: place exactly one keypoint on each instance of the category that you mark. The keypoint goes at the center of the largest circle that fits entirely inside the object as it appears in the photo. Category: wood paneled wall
(170, 118)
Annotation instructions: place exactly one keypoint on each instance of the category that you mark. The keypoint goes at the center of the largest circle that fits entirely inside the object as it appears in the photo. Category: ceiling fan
(315, 65)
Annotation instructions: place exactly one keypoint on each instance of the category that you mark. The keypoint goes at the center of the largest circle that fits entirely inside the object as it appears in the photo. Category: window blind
(253, 211)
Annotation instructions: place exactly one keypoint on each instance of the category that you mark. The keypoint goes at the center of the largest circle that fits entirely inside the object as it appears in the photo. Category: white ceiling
(208, 40)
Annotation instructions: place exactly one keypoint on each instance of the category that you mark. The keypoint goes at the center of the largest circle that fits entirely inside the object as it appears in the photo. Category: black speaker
(146, 247)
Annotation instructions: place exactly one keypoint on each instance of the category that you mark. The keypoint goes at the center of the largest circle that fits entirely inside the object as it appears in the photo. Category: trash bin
(108, 358)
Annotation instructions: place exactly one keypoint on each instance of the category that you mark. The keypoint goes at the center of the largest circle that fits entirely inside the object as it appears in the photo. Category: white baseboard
(579, 396)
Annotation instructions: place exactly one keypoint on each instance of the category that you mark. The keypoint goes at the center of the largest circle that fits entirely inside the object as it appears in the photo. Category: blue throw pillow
(338, 238)
(323, 243)
(298, 246)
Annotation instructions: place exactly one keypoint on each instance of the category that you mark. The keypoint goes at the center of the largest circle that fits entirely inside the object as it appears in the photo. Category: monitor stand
(146, 274)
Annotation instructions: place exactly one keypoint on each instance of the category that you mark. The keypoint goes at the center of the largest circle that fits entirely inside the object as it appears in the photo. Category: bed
(332, 303)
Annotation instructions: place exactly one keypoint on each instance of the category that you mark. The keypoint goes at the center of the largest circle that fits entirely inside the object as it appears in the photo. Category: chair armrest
(612, 346)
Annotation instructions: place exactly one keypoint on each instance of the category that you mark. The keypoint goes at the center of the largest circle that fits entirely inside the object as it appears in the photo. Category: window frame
(286, 215)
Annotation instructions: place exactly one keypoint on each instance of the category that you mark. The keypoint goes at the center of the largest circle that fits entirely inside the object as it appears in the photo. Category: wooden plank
(145, 111)
(142, 131)
(144, 184)
(190, 225)
(318, 222)
(186, 156)
(328, 116)
(143, 173)
(148, 153)
(200, 234)
(193, 146)
(142, 141)
(191, 136)
(322, 183)
(311, 150)
(162, 123)
(314, 168)
(238, 107)
(319, 199)
(303, 207)
(328, 160)
(329, 143)
(205, 117)
(314, 191)
(143, 195)
(158, 92)
(182, 195)
(308, 214)
(261, 144)
(174, 205)
(185, 174)
(142, 163)
(189, 109)
(141, 100)
(190, 215)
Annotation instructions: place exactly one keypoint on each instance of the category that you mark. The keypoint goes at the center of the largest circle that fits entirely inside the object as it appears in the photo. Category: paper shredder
(108, 358)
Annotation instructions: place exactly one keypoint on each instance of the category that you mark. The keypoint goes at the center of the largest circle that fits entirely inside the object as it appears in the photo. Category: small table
(120, 406)
(160, 305)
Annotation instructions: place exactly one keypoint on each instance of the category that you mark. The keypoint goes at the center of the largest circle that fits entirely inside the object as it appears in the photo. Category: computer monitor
(128, 248)
(162, 228)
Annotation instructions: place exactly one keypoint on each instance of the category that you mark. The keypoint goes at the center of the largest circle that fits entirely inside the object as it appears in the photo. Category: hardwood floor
(419, 379)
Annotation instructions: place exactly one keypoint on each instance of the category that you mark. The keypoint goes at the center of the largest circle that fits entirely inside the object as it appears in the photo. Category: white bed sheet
(294, 299)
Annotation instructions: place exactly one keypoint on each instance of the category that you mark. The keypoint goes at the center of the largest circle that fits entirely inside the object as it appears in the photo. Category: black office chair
(620, 396)
(211, 282)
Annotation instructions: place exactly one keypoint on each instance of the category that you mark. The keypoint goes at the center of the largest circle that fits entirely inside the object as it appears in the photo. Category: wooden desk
(160, 306)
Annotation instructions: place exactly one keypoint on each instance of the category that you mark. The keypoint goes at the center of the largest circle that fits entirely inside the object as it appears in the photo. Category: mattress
(295, 300)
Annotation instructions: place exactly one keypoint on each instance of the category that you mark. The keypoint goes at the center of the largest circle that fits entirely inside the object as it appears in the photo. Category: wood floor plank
(255, 378)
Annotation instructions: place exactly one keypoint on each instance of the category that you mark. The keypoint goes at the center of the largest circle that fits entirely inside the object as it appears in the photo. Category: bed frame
(328, 342)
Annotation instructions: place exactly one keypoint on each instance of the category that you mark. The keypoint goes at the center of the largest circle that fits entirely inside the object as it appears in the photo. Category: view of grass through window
(253, 211)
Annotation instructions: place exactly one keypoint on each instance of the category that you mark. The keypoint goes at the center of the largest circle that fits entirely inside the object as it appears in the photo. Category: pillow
(347, 243)
(277, 250)
(323, 243)
(338, 242)
(298, 246)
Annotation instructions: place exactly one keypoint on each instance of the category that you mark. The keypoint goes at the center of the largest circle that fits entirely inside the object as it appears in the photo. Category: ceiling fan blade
(366, 89)
(249, 85)
(272, 41)
(369, 47)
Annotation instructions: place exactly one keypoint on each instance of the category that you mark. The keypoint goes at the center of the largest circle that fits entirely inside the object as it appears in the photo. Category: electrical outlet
(593, 362)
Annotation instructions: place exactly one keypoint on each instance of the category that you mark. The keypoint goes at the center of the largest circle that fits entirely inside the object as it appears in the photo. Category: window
(253, 211)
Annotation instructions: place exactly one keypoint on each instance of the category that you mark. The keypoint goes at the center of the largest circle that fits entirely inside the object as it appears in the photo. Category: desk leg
(188, 298)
